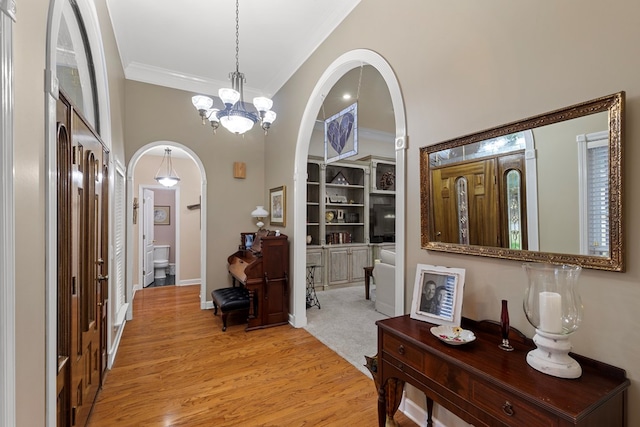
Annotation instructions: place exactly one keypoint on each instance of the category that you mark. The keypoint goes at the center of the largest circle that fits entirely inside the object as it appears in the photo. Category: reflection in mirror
(547, 188)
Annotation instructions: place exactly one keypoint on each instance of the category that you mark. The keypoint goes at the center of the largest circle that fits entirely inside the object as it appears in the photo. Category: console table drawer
(509, 409)
(404, 352)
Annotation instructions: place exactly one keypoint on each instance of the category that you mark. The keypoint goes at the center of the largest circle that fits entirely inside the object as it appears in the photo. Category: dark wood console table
(486, 386)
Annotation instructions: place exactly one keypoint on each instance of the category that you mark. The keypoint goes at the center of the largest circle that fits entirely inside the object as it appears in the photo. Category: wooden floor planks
(175, 367)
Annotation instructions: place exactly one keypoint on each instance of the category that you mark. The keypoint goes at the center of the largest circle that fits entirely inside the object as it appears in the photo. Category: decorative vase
(309, 239)
(553, 306)
(504, 327)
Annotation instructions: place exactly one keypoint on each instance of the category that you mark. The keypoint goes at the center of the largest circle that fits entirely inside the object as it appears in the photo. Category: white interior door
(147, 236)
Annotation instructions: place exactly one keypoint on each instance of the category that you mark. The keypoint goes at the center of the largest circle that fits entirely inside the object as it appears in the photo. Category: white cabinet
(346, 264)
(348, 203)
(315, 256)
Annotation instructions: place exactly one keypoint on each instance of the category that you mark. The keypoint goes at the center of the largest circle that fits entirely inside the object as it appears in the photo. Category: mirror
(547, 189)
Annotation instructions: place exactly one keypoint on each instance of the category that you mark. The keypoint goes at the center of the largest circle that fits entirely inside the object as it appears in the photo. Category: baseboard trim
(416, 413)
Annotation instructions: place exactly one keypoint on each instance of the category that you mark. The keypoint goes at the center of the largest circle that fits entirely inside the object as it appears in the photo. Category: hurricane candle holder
(553, 306)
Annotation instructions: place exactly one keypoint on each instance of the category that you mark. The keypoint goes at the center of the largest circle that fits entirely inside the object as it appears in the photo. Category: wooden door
(480, 199)
(65, 277)
(148, 238)
(82, 252)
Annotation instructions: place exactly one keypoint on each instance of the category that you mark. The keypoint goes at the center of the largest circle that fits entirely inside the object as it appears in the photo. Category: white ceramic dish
(453, 335)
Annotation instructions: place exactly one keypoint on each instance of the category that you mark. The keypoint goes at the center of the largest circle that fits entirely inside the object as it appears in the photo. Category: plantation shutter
(598, 199)
(119, 241)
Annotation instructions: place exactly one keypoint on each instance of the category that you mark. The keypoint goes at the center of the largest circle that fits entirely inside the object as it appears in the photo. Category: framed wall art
(278, 206)
(437, 295)
(162, 215)
(341, 134)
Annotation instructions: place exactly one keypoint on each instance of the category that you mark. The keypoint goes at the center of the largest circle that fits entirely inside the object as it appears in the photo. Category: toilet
(160, 261)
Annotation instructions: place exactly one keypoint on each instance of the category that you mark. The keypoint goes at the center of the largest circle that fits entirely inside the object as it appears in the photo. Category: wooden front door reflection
(473, 209)
(472, 204)
(82, 254)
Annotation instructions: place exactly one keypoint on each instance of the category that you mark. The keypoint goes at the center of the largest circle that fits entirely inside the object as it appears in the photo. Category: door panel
(82, 279)
(481, 201)
(148, 237)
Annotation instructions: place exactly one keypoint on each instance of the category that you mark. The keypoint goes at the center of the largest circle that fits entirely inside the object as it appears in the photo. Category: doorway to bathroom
(159, 241)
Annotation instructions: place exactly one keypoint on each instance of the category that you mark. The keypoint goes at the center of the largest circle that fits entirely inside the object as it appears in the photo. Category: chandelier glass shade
(237, 116)
(166, 175)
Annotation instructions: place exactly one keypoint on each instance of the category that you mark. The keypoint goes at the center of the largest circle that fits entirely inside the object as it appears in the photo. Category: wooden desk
(486, 386)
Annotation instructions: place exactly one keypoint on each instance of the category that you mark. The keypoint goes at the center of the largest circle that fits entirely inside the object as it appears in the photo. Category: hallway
(175, 367)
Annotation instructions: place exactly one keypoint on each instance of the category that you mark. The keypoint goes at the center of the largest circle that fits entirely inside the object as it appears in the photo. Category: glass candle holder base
(551, 356)
(505, 346)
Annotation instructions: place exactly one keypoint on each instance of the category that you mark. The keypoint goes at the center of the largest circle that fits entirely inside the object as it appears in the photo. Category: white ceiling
(190, 44)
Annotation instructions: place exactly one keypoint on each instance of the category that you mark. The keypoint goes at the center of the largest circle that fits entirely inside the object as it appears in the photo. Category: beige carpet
(346, 323)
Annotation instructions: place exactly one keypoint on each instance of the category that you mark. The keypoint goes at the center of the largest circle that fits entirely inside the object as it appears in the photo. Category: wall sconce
(166, 175)
(260, 213)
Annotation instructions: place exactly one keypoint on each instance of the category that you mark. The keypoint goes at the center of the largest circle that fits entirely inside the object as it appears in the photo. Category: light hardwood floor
(175, 367)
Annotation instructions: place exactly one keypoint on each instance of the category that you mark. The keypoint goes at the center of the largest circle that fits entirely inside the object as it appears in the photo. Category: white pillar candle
(550, 312)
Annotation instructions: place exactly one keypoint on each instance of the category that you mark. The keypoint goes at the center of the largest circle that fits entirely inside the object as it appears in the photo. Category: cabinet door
(314, 257)
(359, 259)
(338, 266)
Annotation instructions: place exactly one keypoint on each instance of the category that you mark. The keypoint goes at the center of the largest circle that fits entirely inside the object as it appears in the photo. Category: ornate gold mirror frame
(612, 261)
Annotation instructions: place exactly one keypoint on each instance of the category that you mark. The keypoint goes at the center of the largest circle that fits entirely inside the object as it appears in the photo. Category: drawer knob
(401, 349)
(507, 408)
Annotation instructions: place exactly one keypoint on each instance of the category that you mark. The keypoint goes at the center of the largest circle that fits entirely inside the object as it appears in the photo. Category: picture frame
(437, 295)
(162, 215)
(341, 134)
(278, 206)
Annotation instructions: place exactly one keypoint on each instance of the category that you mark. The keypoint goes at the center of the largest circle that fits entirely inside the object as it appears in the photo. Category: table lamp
(260, 214)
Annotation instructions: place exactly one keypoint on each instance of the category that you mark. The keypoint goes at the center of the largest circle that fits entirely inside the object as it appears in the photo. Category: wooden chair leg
(224, 321)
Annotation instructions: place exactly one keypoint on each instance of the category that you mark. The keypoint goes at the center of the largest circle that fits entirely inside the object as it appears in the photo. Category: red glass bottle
(504, 327)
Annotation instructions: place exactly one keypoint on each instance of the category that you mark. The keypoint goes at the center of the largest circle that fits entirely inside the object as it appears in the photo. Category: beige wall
(467, 67)
(189, 187)
(461, 68)
(156, 113)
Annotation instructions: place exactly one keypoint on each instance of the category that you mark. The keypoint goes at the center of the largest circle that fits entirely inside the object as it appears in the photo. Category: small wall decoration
(341, 134)
(239, 170)
(278, 206)
(162, 215)
(437, 295)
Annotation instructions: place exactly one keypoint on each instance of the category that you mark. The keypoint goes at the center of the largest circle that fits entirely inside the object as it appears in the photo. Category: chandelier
(166, 175)
(237, 115)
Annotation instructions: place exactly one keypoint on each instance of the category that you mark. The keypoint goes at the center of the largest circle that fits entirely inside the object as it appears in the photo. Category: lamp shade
(236, 123)
(202, 102)
(262, 104)
(259, 212)
(269, 117)
(229, 96)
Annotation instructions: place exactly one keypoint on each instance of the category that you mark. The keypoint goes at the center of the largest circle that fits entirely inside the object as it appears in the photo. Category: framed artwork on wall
(341, 134)
(162, 215)
(278, 205)
(437, 295)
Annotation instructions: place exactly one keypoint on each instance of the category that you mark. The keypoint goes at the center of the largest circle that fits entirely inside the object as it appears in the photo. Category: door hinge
(73, 285)
(73, 415)
(73, 156)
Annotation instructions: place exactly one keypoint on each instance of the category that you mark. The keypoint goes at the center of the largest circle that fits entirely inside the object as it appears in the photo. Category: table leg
(429, 412)
(368, 272)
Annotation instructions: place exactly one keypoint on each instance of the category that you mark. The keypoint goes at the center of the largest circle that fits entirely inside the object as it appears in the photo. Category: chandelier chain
(237, 36)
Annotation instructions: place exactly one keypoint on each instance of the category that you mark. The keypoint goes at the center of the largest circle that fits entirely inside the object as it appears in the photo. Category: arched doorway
(337, 69)
(131, 237)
